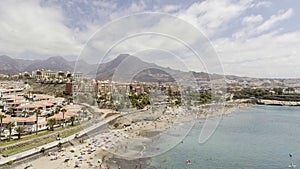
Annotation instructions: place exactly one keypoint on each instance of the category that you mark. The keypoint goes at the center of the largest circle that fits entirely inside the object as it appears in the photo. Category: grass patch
(25, 138)
(71, 132)
(26, 147)
(45, 141)
(34, 136)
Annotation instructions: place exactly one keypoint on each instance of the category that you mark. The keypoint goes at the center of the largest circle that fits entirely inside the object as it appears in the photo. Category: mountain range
(143, 71)
(124, 66)
(11, 66)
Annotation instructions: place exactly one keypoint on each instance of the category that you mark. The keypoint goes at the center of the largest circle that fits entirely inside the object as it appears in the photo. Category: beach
(130, 140)
(84, 155)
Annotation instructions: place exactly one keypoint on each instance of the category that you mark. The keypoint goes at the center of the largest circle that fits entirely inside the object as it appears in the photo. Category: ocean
(256, 137)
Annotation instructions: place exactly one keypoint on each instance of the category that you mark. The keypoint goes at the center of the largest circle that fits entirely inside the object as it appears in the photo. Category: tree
(170, 91)
(59, 145)
(10, 126)
(72, 119)
(205, 98)
(84, 111)
(1, 118)
(290, 89)
(63, 112)
(278, 91)
(79, 115)
(37, 113)
(20, 130)
(130, 88)
(51, 123)
(57, 109)
(10, 111)
(24, 113)
(43, 150)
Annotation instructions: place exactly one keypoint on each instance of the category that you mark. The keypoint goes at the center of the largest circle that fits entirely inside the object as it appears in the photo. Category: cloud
(249, 26)
(275, 19)
(247, 37)
(26, 27)
(252, 19)
(129, 9)
(156, 31)
(170, 8)
(213, 16)
(268, 55)
(263, 4)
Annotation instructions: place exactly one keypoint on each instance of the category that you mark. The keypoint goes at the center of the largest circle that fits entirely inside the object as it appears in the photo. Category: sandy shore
(85, 155)
(108, 149)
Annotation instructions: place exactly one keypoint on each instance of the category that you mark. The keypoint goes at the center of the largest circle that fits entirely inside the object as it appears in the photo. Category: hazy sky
(252, 38)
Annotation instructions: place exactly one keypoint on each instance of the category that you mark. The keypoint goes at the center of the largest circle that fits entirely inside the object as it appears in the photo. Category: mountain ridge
(11, 66)
(120, 66)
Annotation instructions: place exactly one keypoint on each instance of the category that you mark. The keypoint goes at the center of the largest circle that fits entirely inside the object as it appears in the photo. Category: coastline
(144, 162)
(118, 139)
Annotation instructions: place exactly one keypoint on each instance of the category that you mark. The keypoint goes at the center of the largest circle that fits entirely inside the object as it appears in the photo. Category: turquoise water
(257, 137)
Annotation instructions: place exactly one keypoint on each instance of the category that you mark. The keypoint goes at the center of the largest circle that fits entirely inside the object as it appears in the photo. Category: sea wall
(278, 102)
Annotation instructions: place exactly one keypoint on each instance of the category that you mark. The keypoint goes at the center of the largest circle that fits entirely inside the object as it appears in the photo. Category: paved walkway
(27, 153)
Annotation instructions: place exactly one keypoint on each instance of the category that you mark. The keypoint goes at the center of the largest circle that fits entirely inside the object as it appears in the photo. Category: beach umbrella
(100, 161)
(77, 164)
(73, 149)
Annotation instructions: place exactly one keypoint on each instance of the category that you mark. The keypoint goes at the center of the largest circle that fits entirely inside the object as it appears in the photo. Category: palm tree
(72, 119)
(1, 118)
(57, 109)
(20, 130)
(63, 112)
(51, 123)
(10, 126)
(10, 111)
(85, 114)
(79, 115)
(84, 111)
(24, 113)
(37, 112)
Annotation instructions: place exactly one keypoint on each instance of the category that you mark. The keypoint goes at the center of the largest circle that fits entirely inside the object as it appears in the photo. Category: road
(27, 153)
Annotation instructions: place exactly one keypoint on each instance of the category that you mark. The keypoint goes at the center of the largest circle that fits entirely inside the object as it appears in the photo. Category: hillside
(130, 68)
(10, 66)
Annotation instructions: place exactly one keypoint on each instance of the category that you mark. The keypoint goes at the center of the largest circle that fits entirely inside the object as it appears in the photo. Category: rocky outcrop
(278, 102)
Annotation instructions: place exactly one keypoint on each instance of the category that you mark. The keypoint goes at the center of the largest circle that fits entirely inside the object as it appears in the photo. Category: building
(69, 88)
(29, 123)
(80, 87)
(48, 74)
(21, 105)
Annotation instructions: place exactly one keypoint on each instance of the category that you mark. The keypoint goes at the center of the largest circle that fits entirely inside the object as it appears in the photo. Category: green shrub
(10, 162)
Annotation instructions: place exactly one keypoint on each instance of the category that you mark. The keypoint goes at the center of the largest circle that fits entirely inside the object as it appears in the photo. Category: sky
(253, 38)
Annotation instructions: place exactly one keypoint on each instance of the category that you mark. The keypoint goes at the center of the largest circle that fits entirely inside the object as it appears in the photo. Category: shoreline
(120, 140)
(145, 161)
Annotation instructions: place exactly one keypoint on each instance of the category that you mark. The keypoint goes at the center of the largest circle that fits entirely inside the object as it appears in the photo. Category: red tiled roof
(20, 119)
(59, 116)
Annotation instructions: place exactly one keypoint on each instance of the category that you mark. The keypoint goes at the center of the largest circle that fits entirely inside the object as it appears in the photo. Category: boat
(292, 165)
(188, 162)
